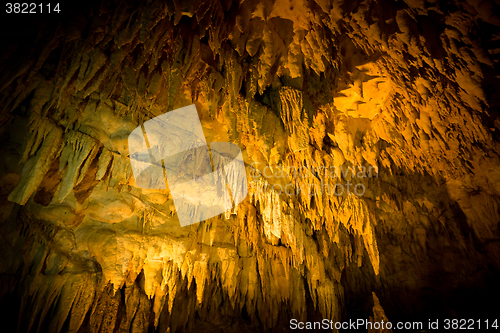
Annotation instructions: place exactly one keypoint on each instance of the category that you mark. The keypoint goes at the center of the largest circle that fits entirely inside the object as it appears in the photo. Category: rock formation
(398, 99)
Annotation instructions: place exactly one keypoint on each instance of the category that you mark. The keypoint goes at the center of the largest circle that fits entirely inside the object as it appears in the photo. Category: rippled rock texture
(405, 89)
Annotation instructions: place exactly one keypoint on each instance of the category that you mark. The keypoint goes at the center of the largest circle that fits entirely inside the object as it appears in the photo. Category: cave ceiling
(399, 99)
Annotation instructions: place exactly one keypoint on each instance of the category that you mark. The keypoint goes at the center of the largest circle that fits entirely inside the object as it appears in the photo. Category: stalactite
(43, 147)
(321, 87)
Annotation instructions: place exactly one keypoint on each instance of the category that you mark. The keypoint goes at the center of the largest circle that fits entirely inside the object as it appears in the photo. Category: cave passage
(355, 147)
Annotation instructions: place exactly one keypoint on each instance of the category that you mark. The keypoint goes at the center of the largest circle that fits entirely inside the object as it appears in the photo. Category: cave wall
(408, 87)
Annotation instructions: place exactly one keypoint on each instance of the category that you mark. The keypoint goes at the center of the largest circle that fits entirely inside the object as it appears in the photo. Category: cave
(363, 194)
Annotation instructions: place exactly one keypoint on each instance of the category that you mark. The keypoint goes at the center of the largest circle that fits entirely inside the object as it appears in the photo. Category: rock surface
(397, 97)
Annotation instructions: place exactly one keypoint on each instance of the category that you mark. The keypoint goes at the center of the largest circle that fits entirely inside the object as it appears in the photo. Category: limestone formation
(370, 135)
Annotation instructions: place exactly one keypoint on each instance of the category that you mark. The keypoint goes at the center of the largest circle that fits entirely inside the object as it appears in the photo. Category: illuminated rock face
(395, 99)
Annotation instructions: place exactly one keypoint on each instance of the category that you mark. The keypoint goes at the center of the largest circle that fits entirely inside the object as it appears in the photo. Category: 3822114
(32, 8)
